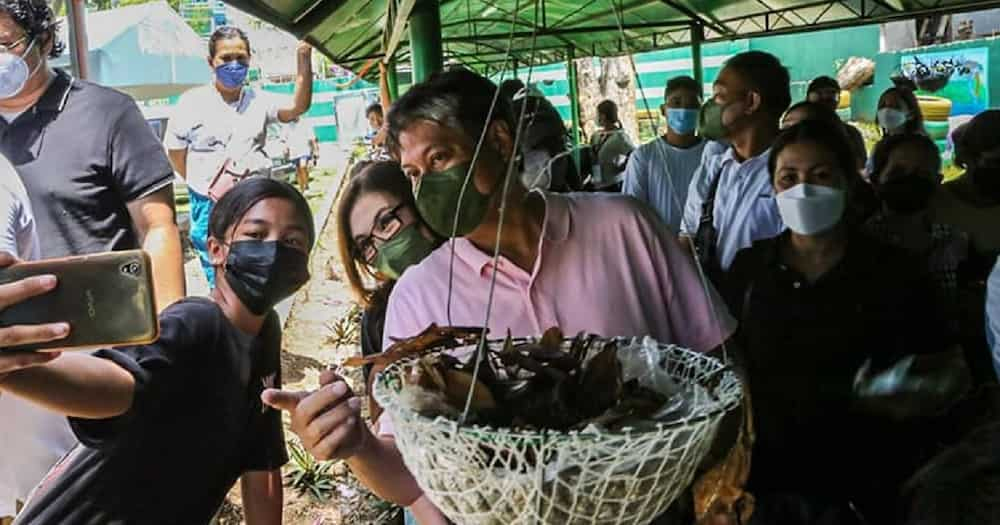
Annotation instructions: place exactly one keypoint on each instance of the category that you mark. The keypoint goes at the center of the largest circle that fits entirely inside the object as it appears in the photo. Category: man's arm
(77, 385)
(178, 158)
(262, 497)
(156, 225)
(302, 98)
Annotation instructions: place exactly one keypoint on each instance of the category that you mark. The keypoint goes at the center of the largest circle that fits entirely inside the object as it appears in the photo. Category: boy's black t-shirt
(196, 424)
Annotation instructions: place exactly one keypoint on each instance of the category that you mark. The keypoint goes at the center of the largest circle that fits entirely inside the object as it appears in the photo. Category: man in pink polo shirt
(603, 264)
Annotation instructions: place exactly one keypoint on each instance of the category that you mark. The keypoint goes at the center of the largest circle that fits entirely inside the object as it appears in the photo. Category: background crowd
(851, 290)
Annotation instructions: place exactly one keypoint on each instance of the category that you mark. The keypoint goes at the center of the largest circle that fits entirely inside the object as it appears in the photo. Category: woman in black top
(815, 305)
(166, 429)
(380, 235)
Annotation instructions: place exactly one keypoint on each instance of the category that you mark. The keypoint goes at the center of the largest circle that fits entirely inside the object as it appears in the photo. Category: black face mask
(906, 194)
(264, 273)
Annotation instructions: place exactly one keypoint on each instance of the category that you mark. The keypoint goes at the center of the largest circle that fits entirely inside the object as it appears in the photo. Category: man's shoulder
(601, 210)
(97, 93)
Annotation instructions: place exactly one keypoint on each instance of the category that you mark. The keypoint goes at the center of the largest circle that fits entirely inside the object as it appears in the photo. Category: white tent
(146, 50)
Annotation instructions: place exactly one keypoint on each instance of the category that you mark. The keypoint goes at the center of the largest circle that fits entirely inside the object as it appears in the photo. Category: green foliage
(307, 475)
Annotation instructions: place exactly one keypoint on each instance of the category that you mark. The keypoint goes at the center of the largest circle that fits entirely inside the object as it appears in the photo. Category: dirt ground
(311, 344)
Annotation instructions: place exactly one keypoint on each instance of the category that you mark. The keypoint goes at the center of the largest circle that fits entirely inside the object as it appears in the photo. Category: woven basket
(482, 475)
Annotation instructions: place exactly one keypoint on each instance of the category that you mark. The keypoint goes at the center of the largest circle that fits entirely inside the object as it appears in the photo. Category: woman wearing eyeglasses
(381, 234)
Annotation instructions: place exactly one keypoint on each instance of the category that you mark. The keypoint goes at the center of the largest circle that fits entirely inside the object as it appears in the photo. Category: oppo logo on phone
(91, 304)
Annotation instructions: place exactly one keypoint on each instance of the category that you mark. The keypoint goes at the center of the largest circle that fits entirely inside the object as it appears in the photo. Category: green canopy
(478, 32)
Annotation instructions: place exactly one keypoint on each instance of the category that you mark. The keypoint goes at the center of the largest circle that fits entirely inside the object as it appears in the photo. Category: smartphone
(107, 299)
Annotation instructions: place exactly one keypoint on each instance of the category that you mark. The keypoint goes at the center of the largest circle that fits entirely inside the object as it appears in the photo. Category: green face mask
(406, 248)
(710, 120)
(437, 196)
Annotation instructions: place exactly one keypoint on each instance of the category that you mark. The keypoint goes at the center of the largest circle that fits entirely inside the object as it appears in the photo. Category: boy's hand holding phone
(14, 293)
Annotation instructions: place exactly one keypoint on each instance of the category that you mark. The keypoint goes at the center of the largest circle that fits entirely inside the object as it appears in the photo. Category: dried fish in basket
(561, 431)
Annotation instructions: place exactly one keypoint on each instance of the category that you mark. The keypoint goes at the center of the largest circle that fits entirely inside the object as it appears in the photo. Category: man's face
(16, 40)
(732, 92)
(682, 99)
(427, 146)
(828, 96)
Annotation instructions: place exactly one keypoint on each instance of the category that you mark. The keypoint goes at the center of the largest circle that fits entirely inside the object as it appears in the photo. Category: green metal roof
(478, 32)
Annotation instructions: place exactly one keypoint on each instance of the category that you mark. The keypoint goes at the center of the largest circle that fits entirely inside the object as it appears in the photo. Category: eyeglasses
(387, 225)
(11, 46)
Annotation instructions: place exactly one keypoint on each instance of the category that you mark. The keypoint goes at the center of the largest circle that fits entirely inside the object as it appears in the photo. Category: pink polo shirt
(606, 265)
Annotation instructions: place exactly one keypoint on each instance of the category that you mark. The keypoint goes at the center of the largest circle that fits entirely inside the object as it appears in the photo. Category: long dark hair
(904, 89)
(231, 208)
(371, 177)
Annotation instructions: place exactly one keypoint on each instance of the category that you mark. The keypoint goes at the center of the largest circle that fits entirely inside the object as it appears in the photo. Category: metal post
(425, 39)
(697, 36)
(392, 80)
(76, 17)
(574, 105)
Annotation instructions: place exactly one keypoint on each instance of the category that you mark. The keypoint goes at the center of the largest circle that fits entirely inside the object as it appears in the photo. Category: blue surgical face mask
(682, 121)
(232, 74)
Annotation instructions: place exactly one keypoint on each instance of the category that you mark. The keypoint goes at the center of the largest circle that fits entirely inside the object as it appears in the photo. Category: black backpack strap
(706, 238)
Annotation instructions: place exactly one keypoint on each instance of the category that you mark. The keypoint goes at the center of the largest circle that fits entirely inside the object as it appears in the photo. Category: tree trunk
(602, 79)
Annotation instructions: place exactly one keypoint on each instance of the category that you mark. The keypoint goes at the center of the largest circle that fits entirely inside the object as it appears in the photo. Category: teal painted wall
(809, 55)
(806, 56)
(865, 100)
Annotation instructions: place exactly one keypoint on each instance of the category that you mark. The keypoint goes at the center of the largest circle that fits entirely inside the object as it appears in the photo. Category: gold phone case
(107, 299)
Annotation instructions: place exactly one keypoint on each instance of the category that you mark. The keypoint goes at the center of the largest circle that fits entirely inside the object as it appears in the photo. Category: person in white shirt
(611, 146)
(750, 95)
(226, 120)
(31, 438)
(659, 173)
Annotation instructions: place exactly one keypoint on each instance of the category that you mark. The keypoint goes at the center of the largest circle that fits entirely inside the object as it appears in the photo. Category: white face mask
(892, 119)
(808, 209)
(14, 72)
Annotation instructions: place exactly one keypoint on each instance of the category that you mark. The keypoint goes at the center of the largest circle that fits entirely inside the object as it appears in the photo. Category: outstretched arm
(76, 385)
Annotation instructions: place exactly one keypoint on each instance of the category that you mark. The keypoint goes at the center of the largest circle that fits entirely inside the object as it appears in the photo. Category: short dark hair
(374, 108)
(823, 82)
(888, 144)
(227, 33)
(822, 134)
(510, 87)
(765, 74)
(683, 82)
(815, 111)
(38, 21)
(609, 110)
(231, 208)
(458, 99)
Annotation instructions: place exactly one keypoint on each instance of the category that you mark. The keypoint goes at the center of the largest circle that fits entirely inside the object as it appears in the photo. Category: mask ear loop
(472, 166)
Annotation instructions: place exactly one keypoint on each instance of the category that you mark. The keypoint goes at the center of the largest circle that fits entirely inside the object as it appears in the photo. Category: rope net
(484, 475)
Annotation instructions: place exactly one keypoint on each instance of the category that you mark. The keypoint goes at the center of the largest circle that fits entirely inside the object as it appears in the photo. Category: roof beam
(567, 31)
(716, 26)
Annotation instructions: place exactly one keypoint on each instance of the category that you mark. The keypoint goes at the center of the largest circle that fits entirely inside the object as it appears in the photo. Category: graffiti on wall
(960, 76)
